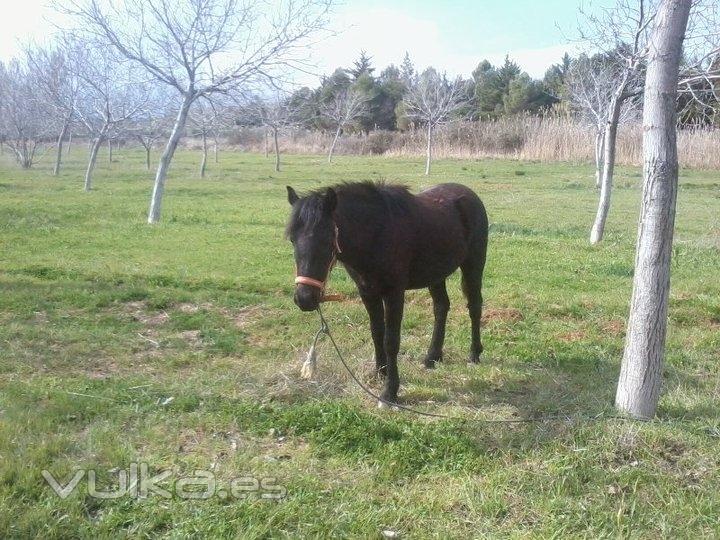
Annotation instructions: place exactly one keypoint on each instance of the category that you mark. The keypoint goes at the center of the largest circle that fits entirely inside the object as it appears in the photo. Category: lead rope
(325, 329)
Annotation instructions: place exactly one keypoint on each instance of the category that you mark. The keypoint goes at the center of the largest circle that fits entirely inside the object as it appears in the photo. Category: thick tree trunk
(608, 168)
(638, 389)
(599, 151)
(203, 162)
(332, 146)
(58, 155)
(277, 150)
(428, 156)
(93, 159)
(165, 159)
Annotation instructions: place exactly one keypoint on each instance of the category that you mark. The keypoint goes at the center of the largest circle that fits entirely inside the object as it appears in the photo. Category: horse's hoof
(383, 405)
(429, 364)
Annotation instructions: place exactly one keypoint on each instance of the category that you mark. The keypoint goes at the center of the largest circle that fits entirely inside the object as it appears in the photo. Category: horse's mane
(393, 197)
(372, 197)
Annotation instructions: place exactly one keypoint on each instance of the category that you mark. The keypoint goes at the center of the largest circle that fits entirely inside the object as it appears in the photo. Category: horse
(390, 241)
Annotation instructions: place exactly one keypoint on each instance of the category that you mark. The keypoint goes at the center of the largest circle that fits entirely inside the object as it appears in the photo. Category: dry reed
(526, 137)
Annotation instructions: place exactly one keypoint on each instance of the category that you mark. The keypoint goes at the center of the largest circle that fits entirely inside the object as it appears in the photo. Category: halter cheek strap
(312, 282)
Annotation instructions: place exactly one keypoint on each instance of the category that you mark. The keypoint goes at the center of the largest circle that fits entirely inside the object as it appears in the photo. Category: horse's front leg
(441, 306)
(374, 306)
(394, 303)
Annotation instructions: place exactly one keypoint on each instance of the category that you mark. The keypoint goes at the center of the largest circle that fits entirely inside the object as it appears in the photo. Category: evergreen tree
(407, 71)
(361, 66)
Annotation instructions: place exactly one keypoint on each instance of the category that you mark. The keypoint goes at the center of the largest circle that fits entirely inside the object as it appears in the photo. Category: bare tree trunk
(91, 162)
(638, 389)
(165, 159)
(609, 138)
(267, 150)
(203, 162)
(599, 151)
(215, 148)
(429, 149)
(110, 150)
(277, 150)
(147, 157)
(69, 145)
(332, 146)
(58, 156)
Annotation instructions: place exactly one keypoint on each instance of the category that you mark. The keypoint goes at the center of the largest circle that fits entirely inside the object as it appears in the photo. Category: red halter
(312, 282)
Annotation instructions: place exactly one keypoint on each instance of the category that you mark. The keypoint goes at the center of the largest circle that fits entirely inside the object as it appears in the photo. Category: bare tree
(591, 83)
(59, 87)
(641, 372)
(111, 94)
(23, 113)
(275, 113)
(699, 83)
(152, 124)
(206, 119)
(148, 130)
(621, 34)
(203, 48)
(432, 99)
(346, 105)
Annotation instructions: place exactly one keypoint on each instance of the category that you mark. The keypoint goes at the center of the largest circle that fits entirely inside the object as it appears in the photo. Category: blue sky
(453, 35)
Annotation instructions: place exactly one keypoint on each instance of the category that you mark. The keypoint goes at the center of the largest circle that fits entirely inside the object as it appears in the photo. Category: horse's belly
(427, 271)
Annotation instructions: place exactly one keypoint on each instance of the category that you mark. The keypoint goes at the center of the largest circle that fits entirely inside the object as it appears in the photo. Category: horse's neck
(357, 233)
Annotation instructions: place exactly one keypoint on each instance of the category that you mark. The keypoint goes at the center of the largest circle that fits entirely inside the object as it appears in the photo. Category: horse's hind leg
(441, 306)
(472, 272)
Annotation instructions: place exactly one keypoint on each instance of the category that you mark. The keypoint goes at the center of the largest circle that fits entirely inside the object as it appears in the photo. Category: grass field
(178, 346)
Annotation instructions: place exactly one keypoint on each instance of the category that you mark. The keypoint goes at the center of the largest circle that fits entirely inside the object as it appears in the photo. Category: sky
(451, 35)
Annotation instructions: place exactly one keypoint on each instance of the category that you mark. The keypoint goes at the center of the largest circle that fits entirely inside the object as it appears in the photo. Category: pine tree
(361, 66)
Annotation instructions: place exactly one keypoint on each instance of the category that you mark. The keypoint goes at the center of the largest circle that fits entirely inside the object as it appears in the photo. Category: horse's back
(461, 199)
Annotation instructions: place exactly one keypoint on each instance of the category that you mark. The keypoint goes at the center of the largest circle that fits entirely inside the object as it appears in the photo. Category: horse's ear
(292, 196)
(330, 200)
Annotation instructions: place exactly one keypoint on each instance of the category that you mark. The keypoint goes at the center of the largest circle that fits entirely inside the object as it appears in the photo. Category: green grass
(178, 345)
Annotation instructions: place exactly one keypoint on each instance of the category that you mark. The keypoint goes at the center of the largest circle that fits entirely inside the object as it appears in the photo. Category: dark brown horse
(390, 241)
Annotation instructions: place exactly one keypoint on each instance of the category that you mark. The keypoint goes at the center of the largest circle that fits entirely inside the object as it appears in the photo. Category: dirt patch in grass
(187, 307)
(572, 336)
(138, 311)
(103, 370)
(248, 315)
(241, 318)
(615, 327)
(192, 338)
(502, 315)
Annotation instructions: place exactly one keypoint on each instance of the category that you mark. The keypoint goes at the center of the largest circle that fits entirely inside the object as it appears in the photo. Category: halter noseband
(312, 282)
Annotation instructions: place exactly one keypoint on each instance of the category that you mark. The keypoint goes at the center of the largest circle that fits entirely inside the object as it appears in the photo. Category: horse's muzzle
(307, 298)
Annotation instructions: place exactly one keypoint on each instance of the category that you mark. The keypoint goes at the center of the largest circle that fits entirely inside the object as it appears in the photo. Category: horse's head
(313, 233)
